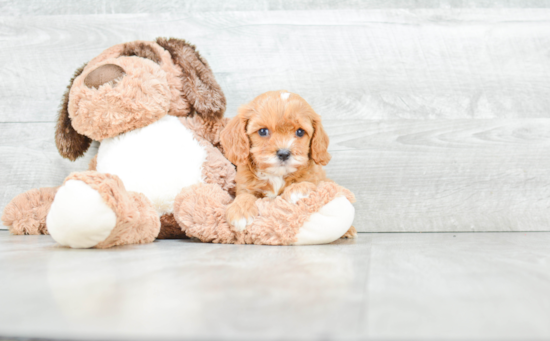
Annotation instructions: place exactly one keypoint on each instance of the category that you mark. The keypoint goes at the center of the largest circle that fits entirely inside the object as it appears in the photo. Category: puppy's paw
(241, 214)
(241, 224)
(295, 192)
(350, 234)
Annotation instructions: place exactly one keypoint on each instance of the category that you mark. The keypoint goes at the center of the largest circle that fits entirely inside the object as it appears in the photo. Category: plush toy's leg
(26, 213)
(200, 212)
(328, 224)
(304, 215)
(92, 209)
(318, 216)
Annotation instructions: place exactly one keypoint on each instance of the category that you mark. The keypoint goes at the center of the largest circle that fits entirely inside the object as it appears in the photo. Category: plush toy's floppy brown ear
(319, 143)
(71, 145)
(140, 49)
(234, 140)
(199, 85)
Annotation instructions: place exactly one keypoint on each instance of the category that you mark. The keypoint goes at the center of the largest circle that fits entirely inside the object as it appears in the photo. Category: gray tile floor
(381, 286)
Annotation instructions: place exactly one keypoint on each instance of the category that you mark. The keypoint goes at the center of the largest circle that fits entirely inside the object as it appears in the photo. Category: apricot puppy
(279, 146)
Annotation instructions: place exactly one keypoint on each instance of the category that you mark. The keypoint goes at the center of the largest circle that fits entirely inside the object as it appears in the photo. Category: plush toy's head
(132, 85)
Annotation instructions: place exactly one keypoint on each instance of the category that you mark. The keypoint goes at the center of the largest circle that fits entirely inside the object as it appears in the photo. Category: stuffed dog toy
(157, 111)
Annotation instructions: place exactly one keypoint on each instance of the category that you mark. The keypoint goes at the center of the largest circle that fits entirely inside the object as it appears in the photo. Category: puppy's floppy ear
(199, 85)
(69, 142)
(319, 143)
(234, 140)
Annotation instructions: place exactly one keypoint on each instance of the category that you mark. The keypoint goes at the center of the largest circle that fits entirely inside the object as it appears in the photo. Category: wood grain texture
(439, 115)
(350, 64)
(445, 175)
(63, 7)
(408, 175)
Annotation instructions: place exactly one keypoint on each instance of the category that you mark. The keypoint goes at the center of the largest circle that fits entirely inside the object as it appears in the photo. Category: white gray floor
(381, 286)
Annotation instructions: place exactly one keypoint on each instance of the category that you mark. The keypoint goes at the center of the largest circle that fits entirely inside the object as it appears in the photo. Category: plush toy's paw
(79, 217)
(297, 191)
(92, 209)
(328, 224)
(241, 212)
(26, 213)
(351, 234)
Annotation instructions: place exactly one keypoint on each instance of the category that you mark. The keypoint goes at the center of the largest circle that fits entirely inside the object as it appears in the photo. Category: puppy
(279, 147)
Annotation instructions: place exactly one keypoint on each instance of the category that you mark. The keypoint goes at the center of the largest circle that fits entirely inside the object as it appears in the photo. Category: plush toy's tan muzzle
(104, 74)
(118, 95)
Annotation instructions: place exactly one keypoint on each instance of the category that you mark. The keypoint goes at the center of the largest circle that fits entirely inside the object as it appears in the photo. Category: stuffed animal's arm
(217, 169)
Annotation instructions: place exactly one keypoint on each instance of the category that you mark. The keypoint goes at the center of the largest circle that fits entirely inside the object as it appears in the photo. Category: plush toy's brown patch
(142, 50)
(108, 73)
(199, 85)
(71, 145)
(170, 229)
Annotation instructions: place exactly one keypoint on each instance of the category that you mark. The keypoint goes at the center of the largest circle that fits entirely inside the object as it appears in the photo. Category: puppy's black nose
(283, 154)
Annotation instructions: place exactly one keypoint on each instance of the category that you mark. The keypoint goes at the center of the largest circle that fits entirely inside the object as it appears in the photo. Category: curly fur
(26, 213)
(216, 169)
(207, 129)
(178, 81)
(140, 98)
(179, 106)
(169, 228)
(141, 49)
(200, 87)
(253, 154)
(137, 221)
(259, 171)
(145, 82)
(70, 144)
(200, 211)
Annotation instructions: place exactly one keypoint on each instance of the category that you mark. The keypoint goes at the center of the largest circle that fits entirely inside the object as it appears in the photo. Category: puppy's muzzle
(283, 154)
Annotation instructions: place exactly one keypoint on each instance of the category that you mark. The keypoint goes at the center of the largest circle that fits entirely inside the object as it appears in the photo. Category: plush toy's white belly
(157, 160)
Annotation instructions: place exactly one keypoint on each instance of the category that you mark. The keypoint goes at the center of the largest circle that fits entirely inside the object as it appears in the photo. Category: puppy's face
(280, 132)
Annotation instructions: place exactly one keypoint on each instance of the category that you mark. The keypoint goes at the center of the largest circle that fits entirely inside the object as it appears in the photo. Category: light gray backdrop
(438, 111)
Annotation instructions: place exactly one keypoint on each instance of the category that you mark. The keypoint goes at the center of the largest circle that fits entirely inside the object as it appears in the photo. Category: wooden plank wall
(438, 111)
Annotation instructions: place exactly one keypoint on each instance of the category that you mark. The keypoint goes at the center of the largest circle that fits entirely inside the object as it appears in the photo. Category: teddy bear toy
(157, 112)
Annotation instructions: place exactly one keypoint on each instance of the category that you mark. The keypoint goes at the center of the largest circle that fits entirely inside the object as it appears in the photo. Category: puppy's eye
(300, 132)
(263, 132)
